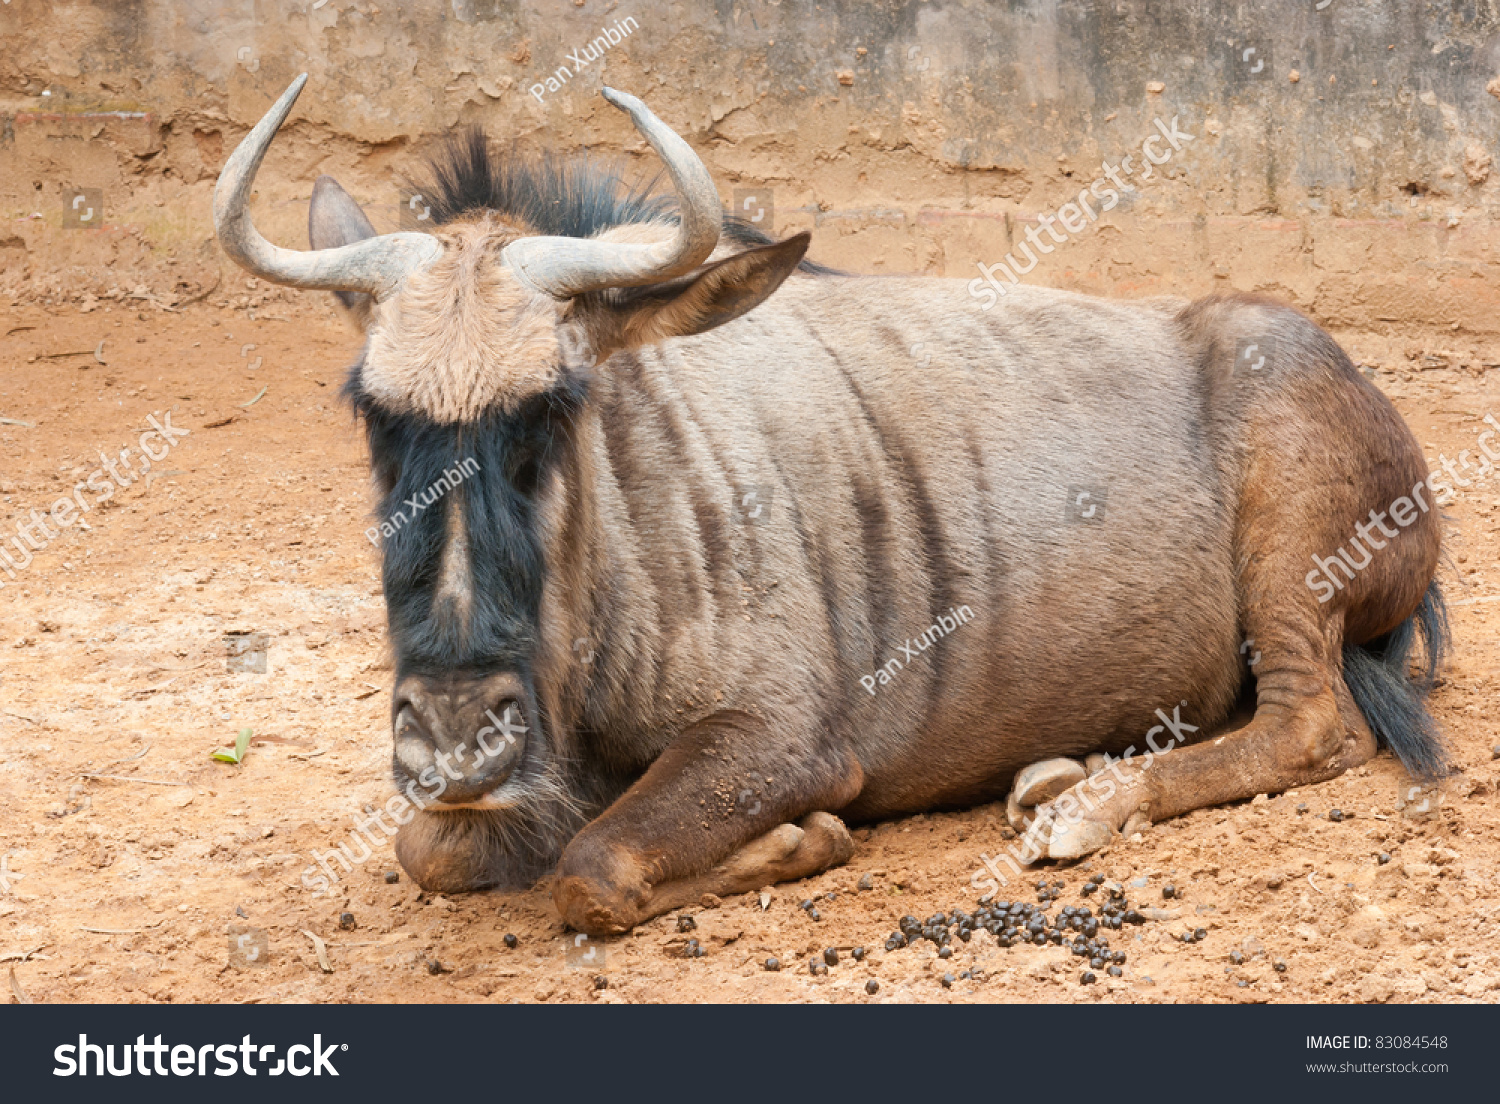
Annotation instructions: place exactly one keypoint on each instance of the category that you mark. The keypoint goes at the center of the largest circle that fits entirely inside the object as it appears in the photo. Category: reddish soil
(113, 662)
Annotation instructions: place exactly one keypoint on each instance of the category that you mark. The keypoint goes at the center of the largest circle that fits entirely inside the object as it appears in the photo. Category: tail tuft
(1394, 703)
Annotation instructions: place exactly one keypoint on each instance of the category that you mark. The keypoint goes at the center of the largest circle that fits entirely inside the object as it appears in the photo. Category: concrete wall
(1340, 151)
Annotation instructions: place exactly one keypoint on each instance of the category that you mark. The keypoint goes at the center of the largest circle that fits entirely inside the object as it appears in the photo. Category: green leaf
(236, 754)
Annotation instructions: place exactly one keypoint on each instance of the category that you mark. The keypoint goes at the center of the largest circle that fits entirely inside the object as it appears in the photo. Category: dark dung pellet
(601, 982)
(686, 924)
(510, 941)
(391, 877)
(831, 956)
(773, 964)
(346, 921)
(872, 987)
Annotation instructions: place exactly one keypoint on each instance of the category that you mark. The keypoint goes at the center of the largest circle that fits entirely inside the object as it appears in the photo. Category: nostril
(407, 722)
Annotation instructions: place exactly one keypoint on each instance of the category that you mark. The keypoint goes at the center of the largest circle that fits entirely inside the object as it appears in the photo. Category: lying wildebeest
(733, 562)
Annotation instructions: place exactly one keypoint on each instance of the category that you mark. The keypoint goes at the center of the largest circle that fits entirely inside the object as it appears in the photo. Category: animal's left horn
(374, 265)
(564, 267)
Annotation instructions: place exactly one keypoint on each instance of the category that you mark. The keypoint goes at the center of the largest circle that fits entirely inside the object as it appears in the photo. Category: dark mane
(576, 197)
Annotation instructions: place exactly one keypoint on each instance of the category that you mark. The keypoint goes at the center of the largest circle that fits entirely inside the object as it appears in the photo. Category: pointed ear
(697, 302)
(334, 219)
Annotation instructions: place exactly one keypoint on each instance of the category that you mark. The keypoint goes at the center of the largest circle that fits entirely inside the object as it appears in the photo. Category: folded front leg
(682, 829)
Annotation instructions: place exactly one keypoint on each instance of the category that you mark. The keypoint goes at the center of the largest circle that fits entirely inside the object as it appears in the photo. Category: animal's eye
(528, 476)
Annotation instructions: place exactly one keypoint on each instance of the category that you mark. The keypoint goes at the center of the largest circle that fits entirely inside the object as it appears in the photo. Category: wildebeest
(752, 543)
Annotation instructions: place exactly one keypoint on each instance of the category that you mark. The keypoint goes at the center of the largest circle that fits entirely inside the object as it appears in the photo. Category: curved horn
(564, 267)
(375, 265)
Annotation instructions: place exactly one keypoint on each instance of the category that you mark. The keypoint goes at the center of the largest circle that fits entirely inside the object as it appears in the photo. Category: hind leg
(1306, 729)
(1329, 465)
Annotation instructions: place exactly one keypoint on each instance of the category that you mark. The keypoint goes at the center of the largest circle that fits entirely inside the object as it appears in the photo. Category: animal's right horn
(374, 265)
(565, 267)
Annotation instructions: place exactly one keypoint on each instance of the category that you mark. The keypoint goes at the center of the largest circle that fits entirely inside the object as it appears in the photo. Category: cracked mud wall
(1340, 155)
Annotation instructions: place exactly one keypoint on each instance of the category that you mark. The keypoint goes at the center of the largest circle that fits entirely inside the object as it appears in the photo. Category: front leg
(682, 830)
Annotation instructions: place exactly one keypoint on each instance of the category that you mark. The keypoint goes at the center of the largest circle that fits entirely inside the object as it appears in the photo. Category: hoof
(1020, 818)
(1041, 782)
(1074, 841)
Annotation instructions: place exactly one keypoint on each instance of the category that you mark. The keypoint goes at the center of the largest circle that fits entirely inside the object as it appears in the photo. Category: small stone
(391, 877)
(1279, 966)
(858, 954)
(872, 987)
(773, 964)
(948, 980)
(601, 982)
(831, 956)
(814, 914)
(686, 924)
(867, 881)
(511, 941)
(1335, 815)
(346, 921)
(1088, 978)
(1169, 892)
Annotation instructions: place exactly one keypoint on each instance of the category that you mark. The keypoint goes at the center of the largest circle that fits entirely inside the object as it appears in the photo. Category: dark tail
(1392, 701)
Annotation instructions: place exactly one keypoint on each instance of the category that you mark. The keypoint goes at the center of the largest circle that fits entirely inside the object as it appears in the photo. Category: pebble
(831, 956)
(686, 924)
(1382, 858)
(867, 881)
(816, 968)
(872, 987)
(1335, 815)
(1088, 978)
(511, 941)
(694, 949)
(346, 921)
(1279, 966)
(1168, 892)
(948, 980)
(814, 915)
(1115, 971)
(858, 954)
(601, 982)
(391, 877)
(773, 964)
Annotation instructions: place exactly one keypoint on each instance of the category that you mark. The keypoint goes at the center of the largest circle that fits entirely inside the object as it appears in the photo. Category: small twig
(257, 398)
(15, 987)
(127, 778)
(21, 716)
(60, 356)
(1311, 882)
(99, 352)
(18, 329)
(22, 956)
(123, 931)
(129, 758)
(322, 951)
(202, 295)
(16, 422)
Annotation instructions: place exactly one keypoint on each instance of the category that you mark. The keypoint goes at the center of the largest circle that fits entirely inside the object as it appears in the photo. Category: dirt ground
(113, 662)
